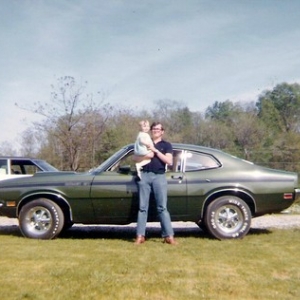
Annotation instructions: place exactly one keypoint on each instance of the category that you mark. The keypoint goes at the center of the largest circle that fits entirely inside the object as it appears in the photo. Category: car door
(114, 193)
(3, 169)
(177, 190)
(177, 187)
(199, 170)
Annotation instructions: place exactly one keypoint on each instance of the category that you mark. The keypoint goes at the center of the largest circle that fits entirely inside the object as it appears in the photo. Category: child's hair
(144, 122)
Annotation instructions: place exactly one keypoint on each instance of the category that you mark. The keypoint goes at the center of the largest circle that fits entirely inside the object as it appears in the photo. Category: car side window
(3, 166)
(177, 162)
(125, 164)
(199, 161)
(23, 167)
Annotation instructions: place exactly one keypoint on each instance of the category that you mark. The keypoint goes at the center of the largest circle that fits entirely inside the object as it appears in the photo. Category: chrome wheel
(38, 220)
(228, 218)
(41, 219)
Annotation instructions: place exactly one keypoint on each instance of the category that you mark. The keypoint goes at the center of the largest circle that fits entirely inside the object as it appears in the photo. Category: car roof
(189, 147)
(19, 157)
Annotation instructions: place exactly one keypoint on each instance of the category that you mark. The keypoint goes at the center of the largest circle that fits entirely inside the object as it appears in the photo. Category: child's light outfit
(141, 149)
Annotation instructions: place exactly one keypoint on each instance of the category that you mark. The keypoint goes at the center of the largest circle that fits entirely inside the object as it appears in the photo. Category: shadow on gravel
(122, 232)
(259, 231)
(126, 233)
(10, 230)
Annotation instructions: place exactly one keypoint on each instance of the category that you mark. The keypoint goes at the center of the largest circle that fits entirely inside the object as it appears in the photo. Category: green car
(220, 192)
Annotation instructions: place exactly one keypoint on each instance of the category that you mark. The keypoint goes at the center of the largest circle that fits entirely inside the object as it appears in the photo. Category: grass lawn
(107, 265)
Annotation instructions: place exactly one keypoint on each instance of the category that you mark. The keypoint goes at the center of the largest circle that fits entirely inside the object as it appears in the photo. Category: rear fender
(242, 194)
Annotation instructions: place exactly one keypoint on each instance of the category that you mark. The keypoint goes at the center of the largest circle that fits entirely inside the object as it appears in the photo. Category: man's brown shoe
(140, 239)
(170, 240)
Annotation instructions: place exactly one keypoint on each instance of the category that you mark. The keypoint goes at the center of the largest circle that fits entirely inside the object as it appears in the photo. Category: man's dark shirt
(156, 165)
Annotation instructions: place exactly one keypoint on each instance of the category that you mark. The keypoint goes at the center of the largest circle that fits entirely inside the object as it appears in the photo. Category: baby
(142, 144)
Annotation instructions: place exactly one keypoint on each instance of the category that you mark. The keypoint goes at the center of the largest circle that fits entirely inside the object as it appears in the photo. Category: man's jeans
(158, 184)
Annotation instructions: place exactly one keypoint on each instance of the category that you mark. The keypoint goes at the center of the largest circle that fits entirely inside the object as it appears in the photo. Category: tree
(176, 118)
(77, 134)
(216, 135)
(248, 132)
(71, 121)
(271, 118)
(6, 149)
(196, 130)
(286, 152)
(286, 100)
(122, 128)
(222, 111)
(31, 142)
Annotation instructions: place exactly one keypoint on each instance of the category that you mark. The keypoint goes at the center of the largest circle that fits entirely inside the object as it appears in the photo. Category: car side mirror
(125, 169)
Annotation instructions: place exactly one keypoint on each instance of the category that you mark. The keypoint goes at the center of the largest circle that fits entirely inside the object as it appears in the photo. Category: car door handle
(177, 177)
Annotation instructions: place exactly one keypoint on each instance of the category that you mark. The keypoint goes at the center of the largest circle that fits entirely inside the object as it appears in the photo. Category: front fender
(54, 196)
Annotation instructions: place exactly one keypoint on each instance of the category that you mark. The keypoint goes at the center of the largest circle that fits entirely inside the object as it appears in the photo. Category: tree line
(78, 131)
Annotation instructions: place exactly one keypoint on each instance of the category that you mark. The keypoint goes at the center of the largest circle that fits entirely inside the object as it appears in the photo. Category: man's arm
(166, 158)
(139, 158)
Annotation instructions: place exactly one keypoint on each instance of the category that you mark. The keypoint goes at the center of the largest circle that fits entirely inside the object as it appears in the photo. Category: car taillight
(288, 196)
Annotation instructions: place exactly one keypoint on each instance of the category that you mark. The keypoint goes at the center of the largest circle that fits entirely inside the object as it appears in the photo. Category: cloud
(139, 52)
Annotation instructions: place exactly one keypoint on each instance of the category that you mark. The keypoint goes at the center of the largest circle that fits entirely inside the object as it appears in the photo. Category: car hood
(58, 173)
(49, 176)
(13, 176)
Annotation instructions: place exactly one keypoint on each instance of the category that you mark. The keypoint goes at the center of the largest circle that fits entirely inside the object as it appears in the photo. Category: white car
(12, 167)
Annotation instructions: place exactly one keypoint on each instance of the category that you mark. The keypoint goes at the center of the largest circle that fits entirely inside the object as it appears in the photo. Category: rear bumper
(297, 195)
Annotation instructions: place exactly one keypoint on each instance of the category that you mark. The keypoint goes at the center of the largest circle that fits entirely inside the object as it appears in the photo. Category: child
(142, 144)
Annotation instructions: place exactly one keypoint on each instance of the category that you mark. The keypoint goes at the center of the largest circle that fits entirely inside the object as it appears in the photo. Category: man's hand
(152, 148)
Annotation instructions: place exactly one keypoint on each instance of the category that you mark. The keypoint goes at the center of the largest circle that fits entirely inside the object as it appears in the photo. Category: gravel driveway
(283, 221)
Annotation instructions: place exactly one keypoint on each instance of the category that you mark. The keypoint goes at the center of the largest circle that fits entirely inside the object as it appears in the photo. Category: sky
(138, 52)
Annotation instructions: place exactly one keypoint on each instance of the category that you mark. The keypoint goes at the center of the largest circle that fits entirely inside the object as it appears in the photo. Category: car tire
(228, 217)
(41, 219)
(202, 226)
(67, 226)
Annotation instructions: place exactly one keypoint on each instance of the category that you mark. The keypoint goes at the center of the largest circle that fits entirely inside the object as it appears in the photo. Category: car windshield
(109, 161)
(45, 166)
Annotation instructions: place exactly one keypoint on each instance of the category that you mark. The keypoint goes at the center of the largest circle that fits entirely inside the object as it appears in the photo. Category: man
(153, 178)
